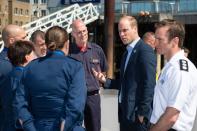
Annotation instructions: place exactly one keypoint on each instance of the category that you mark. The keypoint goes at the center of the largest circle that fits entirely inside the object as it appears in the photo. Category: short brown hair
(176, 29)
(55, 38)
(131, 19)
(18, 51)
(37, 33)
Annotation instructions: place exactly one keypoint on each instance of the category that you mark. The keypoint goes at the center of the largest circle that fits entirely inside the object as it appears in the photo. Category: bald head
(12, 33)
(149, 38)
(77, 23)
(80, 32)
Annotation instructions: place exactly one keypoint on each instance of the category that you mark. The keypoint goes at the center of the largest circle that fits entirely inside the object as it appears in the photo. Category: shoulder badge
(183, 65)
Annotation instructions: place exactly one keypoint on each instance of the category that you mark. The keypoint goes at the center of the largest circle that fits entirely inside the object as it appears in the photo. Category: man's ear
(11, 40)
(175, 41)
(27, 58)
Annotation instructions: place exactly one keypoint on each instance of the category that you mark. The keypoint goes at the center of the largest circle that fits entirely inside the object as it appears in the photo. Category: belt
(91, 93)
(171, 129)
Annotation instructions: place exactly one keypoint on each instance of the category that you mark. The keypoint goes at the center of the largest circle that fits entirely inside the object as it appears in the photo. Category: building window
(43, 12)
(15, 10)
(35, 1)
(21, 23)
(27, 12)
(21, 12)
(16, 22)
(43, 1)
(6, 8)
(36, 13)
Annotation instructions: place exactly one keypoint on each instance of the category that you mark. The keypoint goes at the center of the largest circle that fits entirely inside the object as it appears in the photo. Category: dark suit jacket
(137, 83)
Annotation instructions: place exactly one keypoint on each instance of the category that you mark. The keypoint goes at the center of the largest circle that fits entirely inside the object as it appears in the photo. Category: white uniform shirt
(177, 88)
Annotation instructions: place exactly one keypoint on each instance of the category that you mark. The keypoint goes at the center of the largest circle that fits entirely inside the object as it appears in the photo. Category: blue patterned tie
(129, 50)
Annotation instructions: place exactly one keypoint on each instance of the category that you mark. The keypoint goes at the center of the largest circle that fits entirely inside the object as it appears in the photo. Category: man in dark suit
(137, 78)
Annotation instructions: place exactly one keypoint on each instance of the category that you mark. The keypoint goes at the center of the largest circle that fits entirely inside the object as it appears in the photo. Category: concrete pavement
(109, 111)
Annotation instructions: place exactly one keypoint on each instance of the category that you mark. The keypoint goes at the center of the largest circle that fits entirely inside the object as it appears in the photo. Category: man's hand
(100, 76)
(62, 126)
(141, 118)
(21, 122)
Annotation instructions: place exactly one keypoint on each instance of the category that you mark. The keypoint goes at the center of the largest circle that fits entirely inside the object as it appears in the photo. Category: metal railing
(63, 18)
(171, 6)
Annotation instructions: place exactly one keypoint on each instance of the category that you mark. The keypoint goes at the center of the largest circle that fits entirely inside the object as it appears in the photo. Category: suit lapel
(133, 55)
(123, 64)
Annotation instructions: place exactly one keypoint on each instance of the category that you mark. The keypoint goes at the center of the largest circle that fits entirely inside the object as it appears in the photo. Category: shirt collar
(5, 49)
(58, 52)
(178, 55)
(84, 49)
(132, 44)
(19, 67)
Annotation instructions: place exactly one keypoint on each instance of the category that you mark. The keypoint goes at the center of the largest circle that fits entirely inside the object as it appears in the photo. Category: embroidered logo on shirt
(183, 65)
(162, 81)
(94, 60)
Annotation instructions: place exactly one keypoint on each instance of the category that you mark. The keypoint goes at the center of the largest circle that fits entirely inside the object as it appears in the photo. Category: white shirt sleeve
(178, 88)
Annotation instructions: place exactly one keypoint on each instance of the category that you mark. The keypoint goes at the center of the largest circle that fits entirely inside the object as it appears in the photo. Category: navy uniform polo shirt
(92, 57)
(5, 66)
(5, 69)
(52, 88)
(7, 94)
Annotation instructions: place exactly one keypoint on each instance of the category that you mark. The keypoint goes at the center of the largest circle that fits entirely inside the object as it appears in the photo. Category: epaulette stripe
(183, 65)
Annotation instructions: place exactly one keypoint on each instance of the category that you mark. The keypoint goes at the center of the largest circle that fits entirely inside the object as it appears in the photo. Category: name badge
(94, 60)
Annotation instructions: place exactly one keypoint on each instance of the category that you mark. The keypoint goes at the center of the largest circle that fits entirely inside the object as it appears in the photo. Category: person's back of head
(21, 53)
(149, 38)
(56, 38)
(12, 33)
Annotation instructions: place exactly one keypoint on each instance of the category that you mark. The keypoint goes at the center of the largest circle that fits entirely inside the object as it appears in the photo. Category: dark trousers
(136, 125)
(92, 113)
(133, 126)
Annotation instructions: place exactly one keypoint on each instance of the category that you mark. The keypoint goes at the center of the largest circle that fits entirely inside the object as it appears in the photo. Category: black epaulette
(183, 65)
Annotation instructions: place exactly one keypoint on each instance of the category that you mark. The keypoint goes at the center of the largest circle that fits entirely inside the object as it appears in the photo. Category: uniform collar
(5, 49)
(58, 52)
(176, 56)
(19, 67)
(82, 49)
